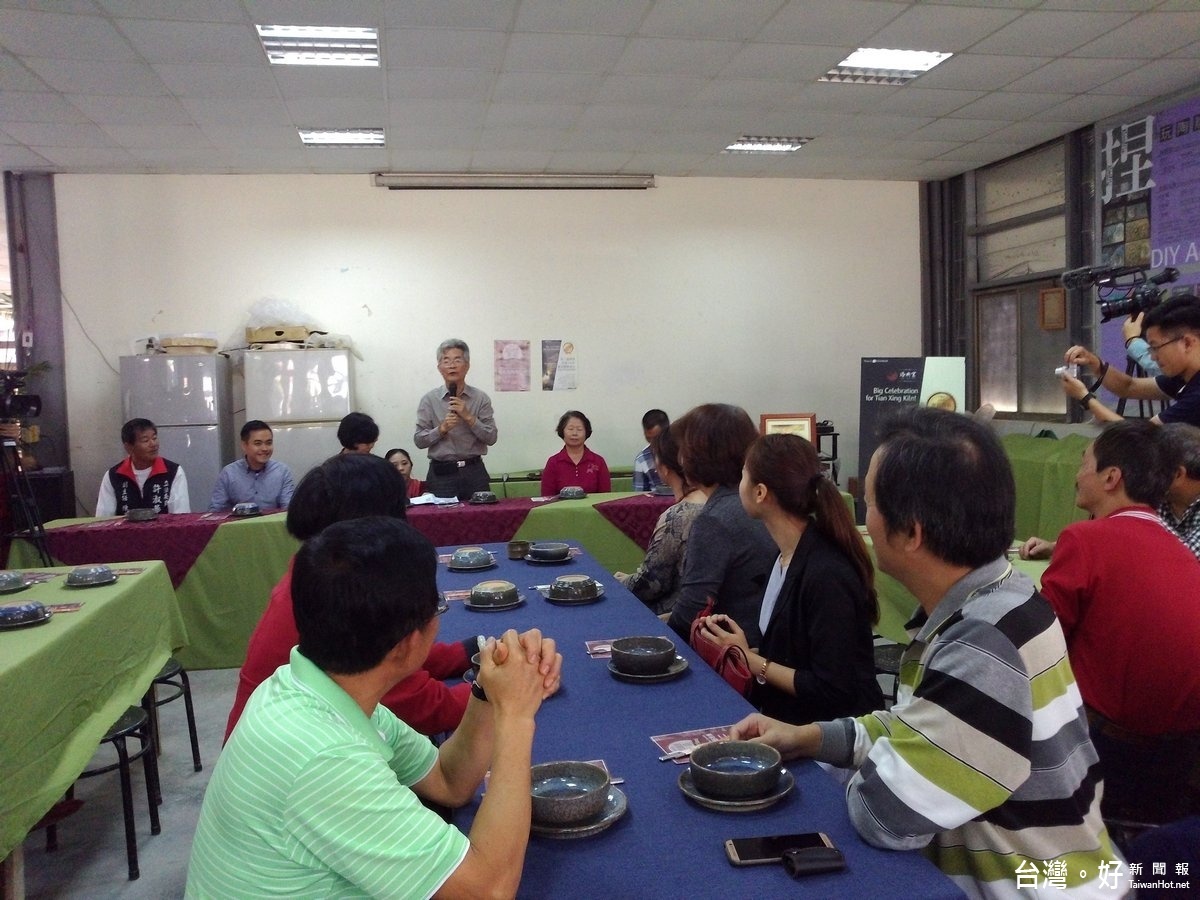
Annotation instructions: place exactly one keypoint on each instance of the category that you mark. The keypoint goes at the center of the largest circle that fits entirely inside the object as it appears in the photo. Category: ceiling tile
(708, 18)
(648, 89)
(622, 117)
(1147, 37)
(313, 12)
(50, 134)
(980, 72)
(532, 115)
(181, 10)
(594, 17)
(958, 129)
(1040, 33)
(1072, 75)
(783, 62)
(562, 52)
(569, 161)
(233, 82)
(18, 76)
(841, 24)
(1009, 105)
(160, 137)
(1154, 79)
(456, 113)
(745, 93)
(935, 27)
(1089, 108)
(673, 56)
(911, 100)
(36, 106)
(494, 14)
(335, 112)
(22, 159)
(30, 33)
(439, 84)
(89, 159)
(363, 83)
(510, 160)
(440, 48)
(194, 42)
(107, 110)
(545, 87)
(206, 111)
(75, 76)
(263, 137)
(1031, 133)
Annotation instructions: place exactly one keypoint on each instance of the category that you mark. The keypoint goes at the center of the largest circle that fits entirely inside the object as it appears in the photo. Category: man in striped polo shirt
(318, 792)
(984, 760)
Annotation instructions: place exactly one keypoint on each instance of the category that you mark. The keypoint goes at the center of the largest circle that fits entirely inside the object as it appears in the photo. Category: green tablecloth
(578, 521)
(1044, 470)
(64, 683)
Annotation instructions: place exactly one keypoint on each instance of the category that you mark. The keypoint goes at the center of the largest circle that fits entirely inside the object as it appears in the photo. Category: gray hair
(453, 344)
(1182, 444)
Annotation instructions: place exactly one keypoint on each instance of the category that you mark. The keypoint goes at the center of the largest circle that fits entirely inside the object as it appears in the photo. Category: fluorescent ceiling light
(417, 181)
(319, 45)
(868, 65)
(754, 143)
(342, 137)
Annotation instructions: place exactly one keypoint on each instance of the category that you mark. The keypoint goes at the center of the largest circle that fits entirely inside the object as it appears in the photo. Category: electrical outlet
(26, 339)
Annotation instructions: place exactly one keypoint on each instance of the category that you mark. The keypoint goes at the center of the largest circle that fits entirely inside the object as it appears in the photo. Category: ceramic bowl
(549, 551)
(11, 581)
(470, 558)
(141, 515)
(574, 587)
(484, 497)
(246, 510)
(572, 493)
(648, 655)
(494, 593)
(735, 770)
(567, 792)
(517, 549)
(85, 575)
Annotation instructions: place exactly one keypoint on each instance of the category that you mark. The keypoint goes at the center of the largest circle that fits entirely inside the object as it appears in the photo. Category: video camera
(14, 405)
(1137, 295)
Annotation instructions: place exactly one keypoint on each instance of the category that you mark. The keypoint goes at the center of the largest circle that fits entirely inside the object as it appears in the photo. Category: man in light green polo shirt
(317, 793)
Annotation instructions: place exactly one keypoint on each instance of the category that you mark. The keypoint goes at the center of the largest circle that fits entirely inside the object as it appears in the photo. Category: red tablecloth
(635, 516)
(175, 539)
(470, 524)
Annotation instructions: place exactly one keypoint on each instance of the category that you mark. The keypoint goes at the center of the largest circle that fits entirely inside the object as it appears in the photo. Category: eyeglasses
(1154, 348)
(452, 361)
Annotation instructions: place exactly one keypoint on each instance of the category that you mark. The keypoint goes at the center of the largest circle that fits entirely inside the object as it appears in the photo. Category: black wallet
(812, 860)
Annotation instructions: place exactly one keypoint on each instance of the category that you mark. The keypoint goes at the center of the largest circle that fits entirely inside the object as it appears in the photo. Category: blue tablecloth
(664, 845)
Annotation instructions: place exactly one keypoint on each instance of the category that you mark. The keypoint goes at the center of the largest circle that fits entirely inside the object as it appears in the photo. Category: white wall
(761, 292)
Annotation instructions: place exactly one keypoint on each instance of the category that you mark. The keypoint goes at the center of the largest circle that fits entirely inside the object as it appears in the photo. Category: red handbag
(728, 662)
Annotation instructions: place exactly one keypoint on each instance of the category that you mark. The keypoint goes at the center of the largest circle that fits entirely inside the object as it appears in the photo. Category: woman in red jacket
(351, 486)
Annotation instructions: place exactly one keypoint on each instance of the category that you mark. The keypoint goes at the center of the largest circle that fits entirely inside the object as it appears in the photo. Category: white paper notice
(560, 371)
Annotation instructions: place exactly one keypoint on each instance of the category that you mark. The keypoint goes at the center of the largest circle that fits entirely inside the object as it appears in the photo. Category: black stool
(175, 676)
(133, 723)
(887, 662)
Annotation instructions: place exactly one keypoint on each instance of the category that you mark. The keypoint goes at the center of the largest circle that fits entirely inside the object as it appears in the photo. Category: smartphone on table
(801, 854)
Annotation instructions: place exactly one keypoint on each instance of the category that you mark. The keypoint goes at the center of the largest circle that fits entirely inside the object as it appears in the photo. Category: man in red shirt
(1127, 592)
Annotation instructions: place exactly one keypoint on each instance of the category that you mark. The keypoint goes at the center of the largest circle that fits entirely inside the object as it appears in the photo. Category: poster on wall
(1175, 226)
(892, 383)
(511, 365)
(560, 370)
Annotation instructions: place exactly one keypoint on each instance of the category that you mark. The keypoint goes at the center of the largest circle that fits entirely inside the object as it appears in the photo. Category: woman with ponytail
(815, 661)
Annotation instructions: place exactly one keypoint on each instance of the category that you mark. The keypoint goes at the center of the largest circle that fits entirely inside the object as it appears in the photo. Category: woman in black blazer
(815, 661)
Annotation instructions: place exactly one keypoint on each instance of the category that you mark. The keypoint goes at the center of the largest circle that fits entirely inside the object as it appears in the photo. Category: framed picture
(803, 424)
(1052, 309)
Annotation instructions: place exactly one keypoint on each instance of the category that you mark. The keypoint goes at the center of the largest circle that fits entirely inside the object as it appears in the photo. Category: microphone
(452, 388)
(1089, 275)
(1166, 276)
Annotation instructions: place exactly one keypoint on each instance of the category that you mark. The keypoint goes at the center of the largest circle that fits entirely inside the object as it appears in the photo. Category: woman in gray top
(729, 555)
(657, 580)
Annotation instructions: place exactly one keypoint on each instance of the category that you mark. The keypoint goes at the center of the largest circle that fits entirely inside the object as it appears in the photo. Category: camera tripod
(27, 519)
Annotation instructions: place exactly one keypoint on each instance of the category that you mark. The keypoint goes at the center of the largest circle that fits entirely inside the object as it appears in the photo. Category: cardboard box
(271, 333)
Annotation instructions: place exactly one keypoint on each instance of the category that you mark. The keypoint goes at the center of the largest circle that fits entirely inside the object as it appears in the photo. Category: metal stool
(133, 723)
(175, 676)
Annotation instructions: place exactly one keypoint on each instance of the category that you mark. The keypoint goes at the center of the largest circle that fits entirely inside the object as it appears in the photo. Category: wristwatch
(761, 677)
(477, 691)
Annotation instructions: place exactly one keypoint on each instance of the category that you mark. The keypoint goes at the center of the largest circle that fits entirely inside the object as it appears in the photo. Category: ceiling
(638, 86)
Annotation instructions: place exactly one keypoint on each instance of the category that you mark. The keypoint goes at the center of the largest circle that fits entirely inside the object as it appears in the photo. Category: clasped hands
(458, 413)
(518, 665)
(724, 632)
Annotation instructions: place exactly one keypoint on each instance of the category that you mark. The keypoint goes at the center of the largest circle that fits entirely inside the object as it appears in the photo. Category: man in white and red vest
(143, 480)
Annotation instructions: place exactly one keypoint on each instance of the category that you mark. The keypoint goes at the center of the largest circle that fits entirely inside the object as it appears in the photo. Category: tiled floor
(90, 862)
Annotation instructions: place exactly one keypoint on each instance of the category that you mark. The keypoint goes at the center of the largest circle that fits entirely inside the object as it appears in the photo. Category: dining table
(224, 567)
(65, 681)
(664, 844)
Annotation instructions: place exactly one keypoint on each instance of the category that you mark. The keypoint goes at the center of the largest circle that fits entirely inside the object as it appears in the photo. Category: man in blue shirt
(255, 478)
(645, 470)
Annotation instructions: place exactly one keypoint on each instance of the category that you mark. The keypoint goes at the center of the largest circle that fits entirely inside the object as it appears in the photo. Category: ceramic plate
(454, 568)
(89, 584)
(548, 562)
(573, 601)
(674, 670)
(40, 620)
(614, 808)
(494, 607)
(786, 782)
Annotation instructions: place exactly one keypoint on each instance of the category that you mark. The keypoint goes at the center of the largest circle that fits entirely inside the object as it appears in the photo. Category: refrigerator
(302, 395)
(188, 398)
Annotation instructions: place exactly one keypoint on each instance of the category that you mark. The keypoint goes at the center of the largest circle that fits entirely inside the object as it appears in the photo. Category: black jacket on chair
(821, 627)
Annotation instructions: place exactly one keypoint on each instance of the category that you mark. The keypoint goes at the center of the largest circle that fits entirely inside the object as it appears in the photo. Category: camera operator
(1173, 336)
